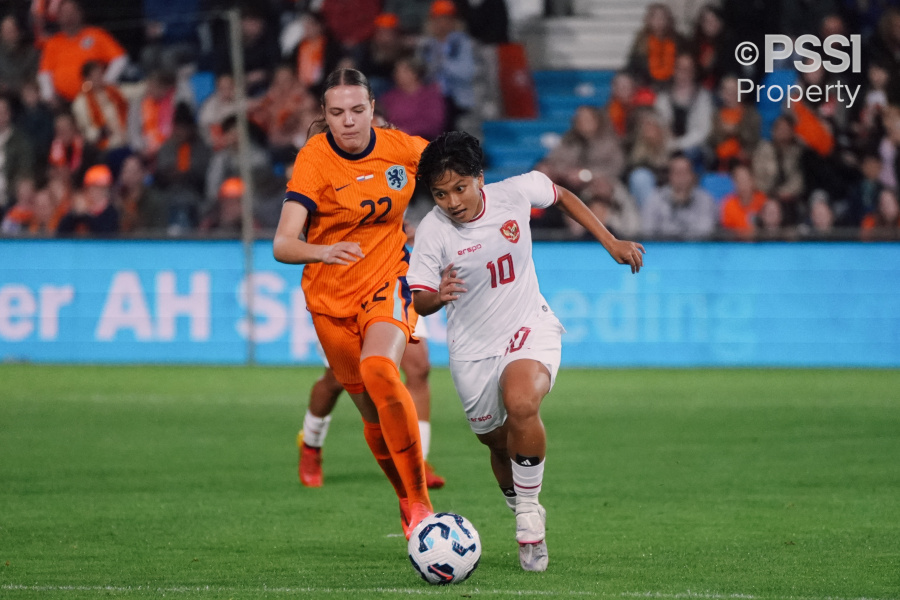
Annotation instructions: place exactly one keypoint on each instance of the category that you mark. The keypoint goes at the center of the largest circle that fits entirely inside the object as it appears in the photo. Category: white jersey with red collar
(492, 255)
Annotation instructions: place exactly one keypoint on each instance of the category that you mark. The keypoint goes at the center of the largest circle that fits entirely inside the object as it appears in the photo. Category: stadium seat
(718, 185)
(203, 84)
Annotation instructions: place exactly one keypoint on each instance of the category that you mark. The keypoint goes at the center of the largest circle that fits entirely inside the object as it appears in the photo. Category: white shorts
(478, 381)
(421, 332)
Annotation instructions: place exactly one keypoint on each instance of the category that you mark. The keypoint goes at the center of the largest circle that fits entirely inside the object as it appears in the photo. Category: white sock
(527, 480)
(315, 429)
(425, 436)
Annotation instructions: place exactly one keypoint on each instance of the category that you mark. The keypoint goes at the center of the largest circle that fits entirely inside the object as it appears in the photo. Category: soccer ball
(444, 548)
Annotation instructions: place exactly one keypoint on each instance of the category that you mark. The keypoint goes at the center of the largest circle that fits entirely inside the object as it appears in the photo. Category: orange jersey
(355, 198)
(64, 56)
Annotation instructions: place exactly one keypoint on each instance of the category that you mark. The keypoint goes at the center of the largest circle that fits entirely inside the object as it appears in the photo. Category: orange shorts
(342, 337)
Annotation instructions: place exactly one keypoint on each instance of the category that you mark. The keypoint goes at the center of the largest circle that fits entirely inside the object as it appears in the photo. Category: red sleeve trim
(422, 288)
(555, 195)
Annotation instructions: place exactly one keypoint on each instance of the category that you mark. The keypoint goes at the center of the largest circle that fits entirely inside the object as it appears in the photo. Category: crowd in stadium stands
(102, 131)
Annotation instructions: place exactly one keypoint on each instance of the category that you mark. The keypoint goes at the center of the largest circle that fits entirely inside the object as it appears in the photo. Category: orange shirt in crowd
(730, 147)
(660, 58)
(738, 216)
(64, 56)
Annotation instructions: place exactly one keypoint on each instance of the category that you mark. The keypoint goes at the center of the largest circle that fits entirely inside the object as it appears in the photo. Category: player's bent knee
(380, 376)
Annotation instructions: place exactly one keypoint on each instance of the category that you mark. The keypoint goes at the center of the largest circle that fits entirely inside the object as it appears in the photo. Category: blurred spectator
(800, 17)
(821, 216)
(414, 106)
(181, 167)
(487, 21)
(18, 59)
(884, 222)
(16, 157)
(21, 212)
(35, 121)
(889, 148)
(739, 210)
(620, 108)
(215, 109)
(170, 33)
(625, 99)
(778, 169)
(680, 209)
(69, 151)
(351, 23)
(225, 163)
(770, 221)
(34, 216)
(648, 160)
(736, 127)
(226, 214)
(862, 197)
(150, 119)
(101, 111)
(317, 53)
(884, 49)
(92, 210)
(610, 201)
(652, 55)
(448, 54)
(687, 109)
(142, 208)
(260, 51)
(44, 20)
(385, 49)
(589, 149)
(868, 120)
(66, 53)
(280, 114)
(712, 47)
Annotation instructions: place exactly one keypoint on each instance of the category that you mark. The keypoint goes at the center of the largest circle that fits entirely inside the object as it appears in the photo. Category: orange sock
(399, 424)
(375, 439)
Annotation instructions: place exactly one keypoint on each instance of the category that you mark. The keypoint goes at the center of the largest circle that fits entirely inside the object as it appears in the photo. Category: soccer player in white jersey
(473, 255)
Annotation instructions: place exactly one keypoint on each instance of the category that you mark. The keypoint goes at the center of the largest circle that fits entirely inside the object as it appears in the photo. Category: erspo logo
(807, 47)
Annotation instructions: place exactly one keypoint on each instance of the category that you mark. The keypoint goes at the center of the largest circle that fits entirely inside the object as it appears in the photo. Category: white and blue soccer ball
(444, 548)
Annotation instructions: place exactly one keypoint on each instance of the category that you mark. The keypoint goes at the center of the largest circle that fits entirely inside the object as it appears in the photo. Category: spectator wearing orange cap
(66, 53)
(92, 211)
(226, 214)
(385, 49)
(449, 56)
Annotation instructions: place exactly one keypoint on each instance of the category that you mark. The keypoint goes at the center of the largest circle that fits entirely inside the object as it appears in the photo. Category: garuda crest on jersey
(510, 231)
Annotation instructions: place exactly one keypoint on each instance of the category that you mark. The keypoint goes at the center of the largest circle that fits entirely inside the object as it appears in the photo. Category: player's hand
(451, 285)
(628, 253)
(342, 253)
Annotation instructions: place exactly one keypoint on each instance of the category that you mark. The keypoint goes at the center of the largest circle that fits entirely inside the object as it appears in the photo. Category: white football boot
(531, 521)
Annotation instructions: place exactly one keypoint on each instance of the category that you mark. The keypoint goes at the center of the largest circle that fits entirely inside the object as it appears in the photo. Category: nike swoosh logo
(340, 188)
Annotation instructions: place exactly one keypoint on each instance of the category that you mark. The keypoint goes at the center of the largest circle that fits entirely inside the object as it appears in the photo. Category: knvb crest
(510, 231)
(396, 177)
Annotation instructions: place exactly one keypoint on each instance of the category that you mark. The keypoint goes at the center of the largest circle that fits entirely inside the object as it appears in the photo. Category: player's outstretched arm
(427, 302)
(288, 247)
(622, 251)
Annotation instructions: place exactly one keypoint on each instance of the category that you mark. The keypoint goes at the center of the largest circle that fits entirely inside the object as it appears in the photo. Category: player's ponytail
(334, 79)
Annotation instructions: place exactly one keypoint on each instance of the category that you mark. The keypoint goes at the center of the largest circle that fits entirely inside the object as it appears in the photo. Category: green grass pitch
(136, 482)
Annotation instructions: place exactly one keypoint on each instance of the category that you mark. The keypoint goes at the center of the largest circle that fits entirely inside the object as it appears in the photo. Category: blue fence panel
(693, 304)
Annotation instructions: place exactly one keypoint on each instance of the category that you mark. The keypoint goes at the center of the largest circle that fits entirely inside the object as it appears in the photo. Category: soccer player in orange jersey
(348, 191)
